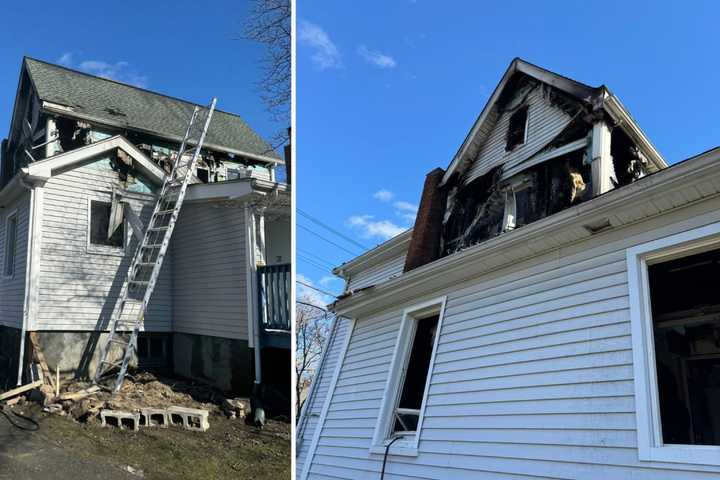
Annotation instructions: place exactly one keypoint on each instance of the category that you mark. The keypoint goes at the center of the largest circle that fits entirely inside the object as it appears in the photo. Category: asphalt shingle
(136, 108)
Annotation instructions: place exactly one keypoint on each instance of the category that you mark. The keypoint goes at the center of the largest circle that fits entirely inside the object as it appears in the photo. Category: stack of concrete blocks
(188, 418)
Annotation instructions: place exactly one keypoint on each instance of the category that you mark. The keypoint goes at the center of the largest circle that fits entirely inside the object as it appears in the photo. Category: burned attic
(540, 146)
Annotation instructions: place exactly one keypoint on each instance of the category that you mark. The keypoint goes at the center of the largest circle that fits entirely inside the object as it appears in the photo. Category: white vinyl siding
(210, 271)
(12, 289)
(544, 122)
(320, 393)
(78, 287)
(378, 273)
(533, 376)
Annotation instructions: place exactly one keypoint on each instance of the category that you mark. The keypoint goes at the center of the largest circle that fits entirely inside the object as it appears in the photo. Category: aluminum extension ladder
(147, 261)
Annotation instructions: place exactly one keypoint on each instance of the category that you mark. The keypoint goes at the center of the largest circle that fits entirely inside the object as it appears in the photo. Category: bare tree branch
(312, 327)
(269, 24)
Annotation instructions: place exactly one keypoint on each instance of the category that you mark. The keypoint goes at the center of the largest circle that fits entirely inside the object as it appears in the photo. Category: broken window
(407, 412)
(10, 243)
(517, 128)
(685, 307)
(99, 225)
(203, 174)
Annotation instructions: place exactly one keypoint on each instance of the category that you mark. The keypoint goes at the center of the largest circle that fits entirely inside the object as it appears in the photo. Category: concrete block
(189, 418)
(122, 420)
(154, 417)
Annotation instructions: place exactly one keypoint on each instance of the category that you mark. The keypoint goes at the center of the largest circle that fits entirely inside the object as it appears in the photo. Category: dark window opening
(203, 174)
(407, 413)
(99, 221)
(516, 128)
(685, 305)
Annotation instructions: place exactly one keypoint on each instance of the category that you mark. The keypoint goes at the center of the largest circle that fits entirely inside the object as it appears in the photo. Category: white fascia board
(620, 114)
(220, 191)
(46, 168)
(449, 270)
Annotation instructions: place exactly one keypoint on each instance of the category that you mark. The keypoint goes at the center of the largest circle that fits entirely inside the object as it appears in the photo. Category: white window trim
(647, 405)
(105, 249)
(12, 214)
(407, 446)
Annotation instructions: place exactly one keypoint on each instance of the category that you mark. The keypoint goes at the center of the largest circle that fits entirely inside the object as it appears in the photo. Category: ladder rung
(119, 342)
(155, 245)
(146, 264)
(165, 212)
(157, 229)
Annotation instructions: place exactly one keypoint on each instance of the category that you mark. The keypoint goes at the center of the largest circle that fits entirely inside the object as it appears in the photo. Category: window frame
(647, 402)
(526, 107)
(104, 249)
(13, 215)
(408, 444)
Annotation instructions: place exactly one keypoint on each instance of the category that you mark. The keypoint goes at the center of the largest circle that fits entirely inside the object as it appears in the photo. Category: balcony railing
(274, 297)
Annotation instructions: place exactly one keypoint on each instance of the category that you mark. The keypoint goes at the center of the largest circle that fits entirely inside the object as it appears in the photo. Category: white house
(77, 144)
(552, 314)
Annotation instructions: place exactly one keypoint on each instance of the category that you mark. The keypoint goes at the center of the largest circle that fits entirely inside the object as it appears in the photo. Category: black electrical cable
(382, 472)
(35, 427)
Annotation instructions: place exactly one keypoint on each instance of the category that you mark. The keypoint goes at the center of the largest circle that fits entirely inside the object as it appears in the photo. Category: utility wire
(331, 229)
(326, 239)
(316, 289)
(313, 263)
(308, 253)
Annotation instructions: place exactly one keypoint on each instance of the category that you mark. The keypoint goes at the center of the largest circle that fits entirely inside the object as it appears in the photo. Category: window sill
(110, 251)
(686, 454)
(399, 448)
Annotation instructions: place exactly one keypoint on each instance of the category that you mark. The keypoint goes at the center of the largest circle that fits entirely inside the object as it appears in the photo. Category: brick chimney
(425, 241)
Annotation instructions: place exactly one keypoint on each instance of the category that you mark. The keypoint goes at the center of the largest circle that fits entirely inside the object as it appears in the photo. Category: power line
(313, 263)
(319, 259)
(326, 239)
(316, 289)
(331, 229)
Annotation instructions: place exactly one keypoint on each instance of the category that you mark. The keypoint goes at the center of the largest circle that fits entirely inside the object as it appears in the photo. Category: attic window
(99, 223)
(517, 128)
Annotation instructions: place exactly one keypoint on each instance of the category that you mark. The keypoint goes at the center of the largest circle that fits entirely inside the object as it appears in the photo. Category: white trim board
(647, 405)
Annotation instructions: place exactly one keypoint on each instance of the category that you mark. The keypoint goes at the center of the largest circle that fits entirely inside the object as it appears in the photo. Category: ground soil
(229, 449)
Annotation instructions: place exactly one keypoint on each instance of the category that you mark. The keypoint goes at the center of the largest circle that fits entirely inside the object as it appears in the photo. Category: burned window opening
(629, 163)
(407, 413)
(99, 222)
(478, 211)
(686, 322)
(203, 174)
(517, 128)
(71, 133)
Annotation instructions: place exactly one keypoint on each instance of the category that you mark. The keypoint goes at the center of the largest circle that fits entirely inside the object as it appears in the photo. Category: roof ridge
(111, 80)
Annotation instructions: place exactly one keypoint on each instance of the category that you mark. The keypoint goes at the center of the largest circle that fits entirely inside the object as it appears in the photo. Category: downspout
(28, 266)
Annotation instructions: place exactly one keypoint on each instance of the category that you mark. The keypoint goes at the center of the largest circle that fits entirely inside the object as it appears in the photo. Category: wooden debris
(40, 358)
(19, 390)
(78, 395)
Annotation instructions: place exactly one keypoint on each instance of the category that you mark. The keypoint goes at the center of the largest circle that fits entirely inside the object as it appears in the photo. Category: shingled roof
(114, 103)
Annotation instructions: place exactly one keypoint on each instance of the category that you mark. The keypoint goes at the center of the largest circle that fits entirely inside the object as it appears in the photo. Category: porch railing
(274, 296)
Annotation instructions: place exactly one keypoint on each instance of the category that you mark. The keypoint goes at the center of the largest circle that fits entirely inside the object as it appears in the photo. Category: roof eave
(58, 109)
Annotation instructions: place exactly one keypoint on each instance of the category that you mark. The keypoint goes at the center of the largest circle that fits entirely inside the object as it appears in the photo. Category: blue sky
(387, 91)
(185, 49)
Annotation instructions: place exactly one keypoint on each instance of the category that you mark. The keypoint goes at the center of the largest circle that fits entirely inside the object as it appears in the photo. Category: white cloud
(119, 71)
(370, 228)
(405, 206)
(66, 59)
(328, 280)
(309, 295)
(383, 195)
(326, 54)
(376, 58)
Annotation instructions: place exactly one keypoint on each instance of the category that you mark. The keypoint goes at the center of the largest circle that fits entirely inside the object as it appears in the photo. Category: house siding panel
(78, 286)
(320, 394)
(533, 375)
(545, 121)
(12, 290)
(210, 270)
(378, 273)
